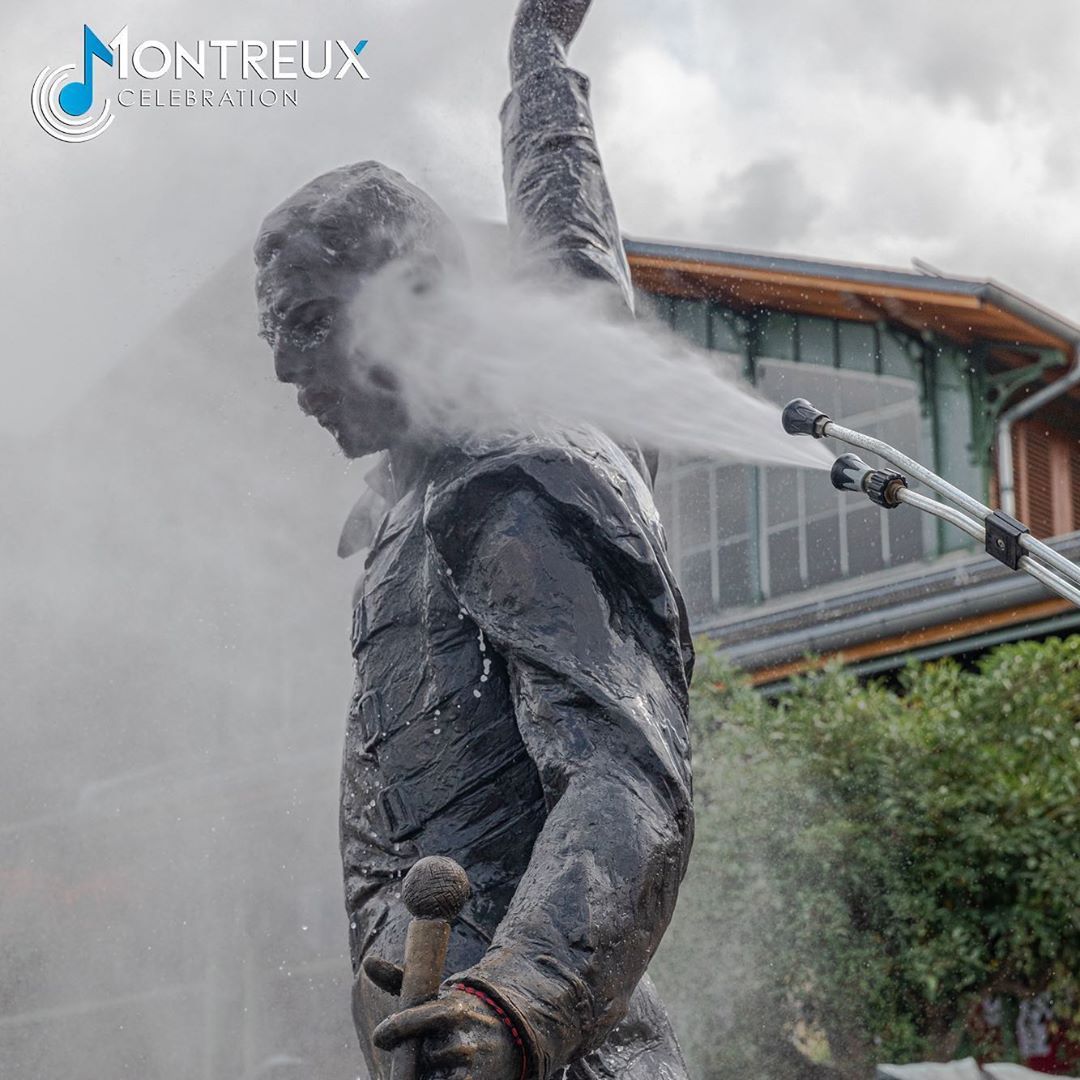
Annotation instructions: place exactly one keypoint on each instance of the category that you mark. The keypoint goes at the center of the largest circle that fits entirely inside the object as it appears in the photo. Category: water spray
(1006, 539)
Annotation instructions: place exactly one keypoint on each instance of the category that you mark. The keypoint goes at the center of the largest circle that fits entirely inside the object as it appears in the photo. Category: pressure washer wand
(1006, 539)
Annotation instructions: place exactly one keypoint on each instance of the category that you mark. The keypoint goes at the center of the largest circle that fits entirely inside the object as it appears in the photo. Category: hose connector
(851, 473)
(802, 418)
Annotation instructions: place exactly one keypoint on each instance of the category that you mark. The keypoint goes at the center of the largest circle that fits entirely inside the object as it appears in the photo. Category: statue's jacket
(522, 662)
(522, 668)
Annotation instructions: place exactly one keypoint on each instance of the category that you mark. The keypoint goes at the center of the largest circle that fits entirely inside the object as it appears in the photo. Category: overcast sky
(868, 131)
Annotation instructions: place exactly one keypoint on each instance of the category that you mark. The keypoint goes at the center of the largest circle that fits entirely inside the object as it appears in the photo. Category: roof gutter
(1032, 313)
(1006, 469)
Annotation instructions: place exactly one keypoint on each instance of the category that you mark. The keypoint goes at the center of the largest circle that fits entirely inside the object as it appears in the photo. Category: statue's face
(305, 318)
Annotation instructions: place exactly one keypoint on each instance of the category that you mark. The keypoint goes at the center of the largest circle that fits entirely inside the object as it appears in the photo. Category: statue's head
(313, 255)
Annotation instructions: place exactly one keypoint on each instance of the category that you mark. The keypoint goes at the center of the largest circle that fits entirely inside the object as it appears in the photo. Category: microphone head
(435, 888)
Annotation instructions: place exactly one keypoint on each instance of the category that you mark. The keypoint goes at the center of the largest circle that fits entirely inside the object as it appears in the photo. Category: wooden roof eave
(962, 316)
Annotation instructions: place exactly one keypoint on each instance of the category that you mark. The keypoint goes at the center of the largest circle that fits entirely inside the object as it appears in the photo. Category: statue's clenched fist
(463, 1036)
(542, 27)
(561, 17)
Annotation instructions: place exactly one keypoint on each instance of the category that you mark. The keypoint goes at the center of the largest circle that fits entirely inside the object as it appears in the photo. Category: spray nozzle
(802, 418)
(851, 473)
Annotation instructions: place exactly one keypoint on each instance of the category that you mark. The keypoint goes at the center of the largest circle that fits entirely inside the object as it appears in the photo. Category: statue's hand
(560, 17)
(464, 1038)
(541, 27)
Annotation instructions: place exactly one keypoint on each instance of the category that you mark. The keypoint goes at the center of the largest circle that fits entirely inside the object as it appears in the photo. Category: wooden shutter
(1047, 464)
(1074, 485)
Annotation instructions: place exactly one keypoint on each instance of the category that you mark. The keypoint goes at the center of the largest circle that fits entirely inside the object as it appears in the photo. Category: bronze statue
(522, 651)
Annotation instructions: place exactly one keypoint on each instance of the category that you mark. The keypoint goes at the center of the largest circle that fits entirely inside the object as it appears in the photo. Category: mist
(493, 352)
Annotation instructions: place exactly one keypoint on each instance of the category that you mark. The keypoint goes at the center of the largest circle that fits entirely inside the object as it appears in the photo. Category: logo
(64, 106)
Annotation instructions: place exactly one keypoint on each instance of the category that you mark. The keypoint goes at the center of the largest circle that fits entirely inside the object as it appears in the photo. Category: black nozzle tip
(851, 473)
(848, 472)
(802, 418)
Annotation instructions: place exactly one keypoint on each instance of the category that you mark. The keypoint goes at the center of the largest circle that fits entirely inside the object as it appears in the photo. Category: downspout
(1006, 477)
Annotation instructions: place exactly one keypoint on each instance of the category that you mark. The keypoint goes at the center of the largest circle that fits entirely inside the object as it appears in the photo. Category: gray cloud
(767, 204)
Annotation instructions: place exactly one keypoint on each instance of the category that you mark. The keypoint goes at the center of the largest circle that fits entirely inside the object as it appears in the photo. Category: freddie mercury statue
(522, 650)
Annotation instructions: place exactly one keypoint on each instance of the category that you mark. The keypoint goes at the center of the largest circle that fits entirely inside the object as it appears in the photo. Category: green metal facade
(741, 535)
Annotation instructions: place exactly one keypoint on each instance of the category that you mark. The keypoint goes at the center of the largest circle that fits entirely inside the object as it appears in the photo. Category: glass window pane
(891, 390)
(819, 497)
(905, 535)
(781, 496)
(781, 381)
(858, 346)
(858, 398)
(732, 501)
(864, 540)
(724, 338)
(776, 336)
(816, 344)
(694, 509)
(691, 319)
(894, 357)
(784, 562)
(695, 580)
(823, 550)
(952, 402)
(736, 574)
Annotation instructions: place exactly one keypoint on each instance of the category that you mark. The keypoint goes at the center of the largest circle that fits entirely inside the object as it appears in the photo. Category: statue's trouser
(641, 1047)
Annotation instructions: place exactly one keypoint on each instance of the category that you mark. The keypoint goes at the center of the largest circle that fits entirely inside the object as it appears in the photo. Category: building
(774, 563)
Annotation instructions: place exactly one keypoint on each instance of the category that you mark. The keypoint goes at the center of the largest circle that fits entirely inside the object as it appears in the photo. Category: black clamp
(1003, 535)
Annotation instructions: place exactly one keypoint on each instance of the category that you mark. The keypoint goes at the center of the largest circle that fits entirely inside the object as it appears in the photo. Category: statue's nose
(289, 364)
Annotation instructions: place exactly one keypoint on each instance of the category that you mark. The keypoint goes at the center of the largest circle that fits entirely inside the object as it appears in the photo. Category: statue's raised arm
(558, 206)
(542, 32)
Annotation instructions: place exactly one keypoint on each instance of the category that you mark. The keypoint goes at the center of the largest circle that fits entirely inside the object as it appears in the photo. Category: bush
(871, 863)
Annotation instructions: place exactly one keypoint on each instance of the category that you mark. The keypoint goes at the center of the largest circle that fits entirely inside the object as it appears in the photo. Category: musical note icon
(77, 97)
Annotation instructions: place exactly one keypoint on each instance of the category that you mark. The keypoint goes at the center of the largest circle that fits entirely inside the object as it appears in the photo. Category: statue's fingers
(420, 1022)
(450, 1057)
(384, 974)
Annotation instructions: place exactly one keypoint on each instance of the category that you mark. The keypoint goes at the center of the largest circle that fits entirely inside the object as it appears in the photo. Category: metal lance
(434, 891)
(1006, 539)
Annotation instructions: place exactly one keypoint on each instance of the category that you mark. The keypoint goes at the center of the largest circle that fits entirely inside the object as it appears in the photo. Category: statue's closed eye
(308, 324)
